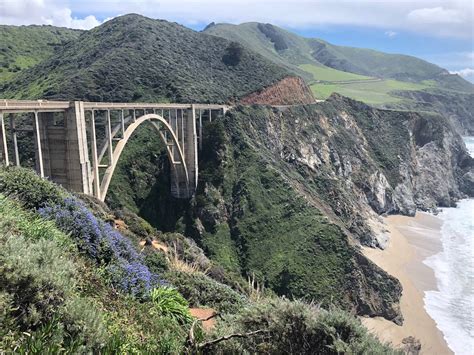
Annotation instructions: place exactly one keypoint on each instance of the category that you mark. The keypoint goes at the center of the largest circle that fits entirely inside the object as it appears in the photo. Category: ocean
(452, 306)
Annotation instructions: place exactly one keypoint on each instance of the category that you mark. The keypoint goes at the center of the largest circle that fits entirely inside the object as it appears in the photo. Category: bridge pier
(61, 150)
(62, 145)
(3, 141)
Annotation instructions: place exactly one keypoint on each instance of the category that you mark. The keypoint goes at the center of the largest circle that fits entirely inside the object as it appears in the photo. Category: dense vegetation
(57, 294)
(134, 58)
(249, 214)
(23, 47)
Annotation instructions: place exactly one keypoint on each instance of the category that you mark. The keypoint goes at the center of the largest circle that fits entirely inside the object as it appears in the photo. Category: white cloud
(435, 17)
(467, 72)
(43, 12)
(391, 34)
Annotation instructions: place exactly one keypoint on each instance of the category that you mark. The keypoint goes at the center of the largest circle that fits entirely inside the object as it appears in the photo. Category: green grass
(373, 92)
(23, 47)
(323, 73)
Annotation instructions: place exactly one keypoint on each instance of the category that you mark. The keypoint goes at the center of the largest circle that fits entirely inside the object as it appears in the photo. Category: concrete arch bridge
(78, 144)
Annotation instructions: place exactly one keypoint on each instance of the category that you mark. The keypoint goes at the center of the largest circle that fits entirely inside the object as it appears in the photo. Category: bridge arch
(156, 121)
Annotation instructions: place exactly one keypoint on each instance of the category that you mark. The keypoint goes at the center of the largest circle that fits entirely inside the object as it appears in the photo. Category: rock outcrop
(458, 107)
(341, 159)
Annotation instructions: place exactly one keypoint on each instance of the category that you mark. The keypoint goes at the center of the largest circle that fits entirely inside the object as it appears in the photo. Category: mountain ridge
(98, 66)
(383, 80)
(430, 69)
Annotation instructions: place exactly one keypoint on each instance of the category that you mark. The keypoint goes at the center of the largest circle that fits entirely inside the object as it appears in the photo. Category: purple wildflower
(104, 244)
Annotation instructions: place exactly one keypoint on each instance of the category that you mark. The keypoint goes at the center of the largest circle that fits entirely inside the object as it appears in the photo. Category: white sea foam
(452, 306)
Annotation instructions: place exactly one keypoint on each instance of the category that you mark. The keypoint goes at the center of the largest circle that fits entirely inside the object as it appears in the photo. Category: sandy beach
(412, 239)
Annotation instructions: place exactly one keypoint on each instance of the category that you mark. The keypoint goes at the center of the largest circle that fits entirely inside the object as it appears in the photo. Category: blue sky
(440, 31)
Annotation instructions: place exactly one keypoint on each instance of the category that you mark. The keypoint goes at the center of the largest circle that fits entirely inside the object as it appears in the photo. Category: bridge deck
(18, 106)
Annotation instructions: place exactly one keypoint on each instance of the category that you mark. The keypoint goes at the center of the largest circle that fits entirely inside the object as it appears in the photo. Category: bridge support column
(16, 153)
(78, 164)
(53, 148)
(190, 150)
(64, 149)
(184, 181)
(3, 141)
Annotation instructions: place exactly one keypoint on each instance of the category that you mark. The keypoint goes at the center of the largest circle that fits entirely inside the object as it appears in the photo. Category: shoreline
(412, 240)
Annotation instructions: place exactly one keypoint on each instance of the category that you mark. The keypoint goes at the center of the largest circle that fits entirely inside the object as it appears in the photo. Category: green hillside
(376, 92)
(323, 73)
(133, 58)
(380, 79)
(81, 286)
(383, 65)
(22, 47)
(283, 46)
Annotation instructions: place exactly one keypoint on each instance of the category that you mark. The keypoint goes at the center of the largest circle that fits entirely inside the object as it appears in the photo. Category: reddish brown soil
(156, 244)
(291, 90)
(202, 313)
(120, 225)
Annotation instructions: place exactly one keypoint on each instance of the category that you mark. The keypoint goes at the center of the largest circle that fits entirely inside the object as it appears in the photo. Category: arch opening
(173, 149)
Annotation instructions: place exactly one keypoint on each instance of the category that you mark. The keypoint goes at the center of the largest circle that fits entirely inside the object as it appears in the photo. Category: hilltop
(131, 58)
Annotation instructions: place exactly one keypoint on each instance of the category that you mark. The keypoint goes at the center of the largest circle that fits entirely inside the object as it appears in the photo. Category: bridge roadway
(66, 148)
(21, 106)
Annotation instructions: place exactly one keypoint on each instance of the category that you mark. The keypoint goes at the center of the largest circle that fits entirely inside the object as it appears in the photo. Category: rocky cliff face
(357, 162)
(288, 91)
(349, 163)
(456, 106)
(289, 194)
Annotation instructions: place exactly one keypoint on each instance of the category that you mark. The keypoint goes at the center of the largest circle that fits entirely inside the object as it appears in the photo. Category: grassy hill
(285, 47)
(23, 47)
(377, 78)
(133, 58)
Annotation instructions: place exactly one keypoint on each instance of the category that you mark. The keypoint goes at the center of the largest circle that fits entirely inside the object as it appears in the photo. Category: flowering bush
(104, 244)
(134, 278)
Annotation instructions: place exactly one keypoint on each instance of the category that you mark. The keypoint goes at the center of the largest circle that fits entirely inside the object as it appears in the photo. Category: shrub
(134, 278)
(93, 237)
(40, 311)
(233, 54)
(139, 329)
(136, 224)
(98, 240)
(156, 262)
(201, 290)
(296, 327)
(169, 303)
(39, 278)
(29, 188)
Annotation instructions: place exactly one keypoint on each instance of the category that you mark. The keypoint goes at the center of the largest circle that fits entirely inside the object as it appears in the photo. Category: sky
(440, 31)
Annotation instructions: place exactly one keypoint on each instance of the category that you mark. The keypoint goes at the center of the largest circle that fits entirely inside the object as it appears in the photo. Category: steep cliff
(457, 106)
(288, 193)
